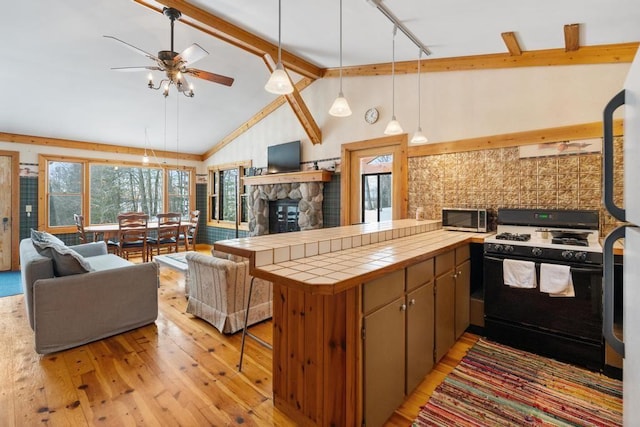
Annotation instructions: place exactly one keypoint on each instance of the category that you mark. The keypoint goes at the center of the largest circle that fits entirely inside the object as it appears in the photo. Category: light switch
(27, 208)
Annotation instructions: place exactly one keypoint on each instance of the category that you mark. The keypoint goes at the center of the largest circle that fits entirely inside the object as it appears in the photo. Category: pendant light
(419, 137)
(340, 107)
(145, 158)
(279, 82)
(393, 127)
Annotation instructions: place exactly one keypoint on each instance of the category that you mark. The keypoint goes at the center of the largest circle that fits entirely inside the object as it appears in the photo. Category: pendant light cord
(177, 131)
(279, 30)
(393, 73)
(419, 93)
(341, 46)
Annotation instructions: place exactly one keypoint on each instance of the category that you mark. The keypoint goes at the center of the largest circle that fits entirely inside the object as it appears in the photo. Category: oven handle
(607, 156)
(608, 289)
(573, 269)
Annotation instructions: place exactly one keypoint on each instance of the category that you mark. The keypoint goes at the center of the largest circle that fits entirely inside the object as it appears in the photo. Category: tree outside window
(64, 192)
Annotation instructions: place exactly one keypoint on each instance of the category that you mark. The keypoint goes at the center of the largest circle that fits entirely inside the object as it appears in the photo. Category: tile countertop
(330, 260)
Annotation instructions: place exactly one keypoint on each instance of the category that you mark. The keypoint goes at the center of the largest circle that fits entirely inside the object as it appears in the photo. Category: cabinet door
(463, 285)
(420, 317)
(445, 314)
(384, 358)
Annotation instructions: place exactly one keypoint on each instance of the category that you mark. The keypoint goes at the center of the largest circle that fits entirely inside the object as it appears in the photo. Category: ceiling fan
(174, 64)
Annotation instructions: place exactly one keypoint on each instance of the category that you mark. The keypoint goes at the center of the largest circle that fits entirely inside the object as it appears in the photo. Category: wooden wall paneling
(335, 371)
(314, 356)
(296, 348)
(280, 327)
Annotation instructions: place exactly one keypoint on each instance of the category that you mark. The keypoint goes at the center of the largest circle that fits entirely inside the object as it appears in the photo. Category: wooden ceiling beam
(601, 54)
(219, 28)
(299, 107)
(279, 101)
(571, 37)
(512, 43)
(92, 146)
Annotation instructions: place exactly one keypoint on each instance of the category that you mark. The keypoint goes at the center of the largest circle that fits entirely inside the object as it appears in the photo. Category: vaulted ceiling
(58, 82)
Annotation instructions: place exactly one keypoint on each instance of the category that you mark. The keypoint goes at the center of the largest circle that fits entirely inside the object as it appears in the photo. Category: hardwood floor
(177, 371)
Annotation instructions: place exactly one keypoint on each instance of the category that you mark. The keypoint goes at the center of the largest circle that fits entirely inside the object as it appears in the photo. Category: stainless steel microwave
(467, 219)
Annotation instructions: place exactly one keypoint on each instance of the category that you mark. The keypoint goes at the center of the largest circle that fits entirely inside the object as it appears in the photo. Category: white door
(5, 212)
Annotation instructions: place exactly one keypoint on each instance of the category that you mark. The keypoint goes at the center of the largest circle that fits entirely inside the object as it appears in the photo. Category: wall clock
(371, 115)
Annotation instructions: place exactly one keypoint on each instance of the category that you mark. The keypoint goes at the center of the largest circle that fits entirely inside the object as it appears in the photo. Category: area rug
(495, 385)
(10, 283)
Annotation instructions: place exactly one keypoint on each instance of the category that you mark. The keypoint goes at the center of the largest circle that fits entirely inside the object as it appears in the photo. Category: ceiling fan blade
(142, 68)
(192, 54)
(205, 75)
(135, 49)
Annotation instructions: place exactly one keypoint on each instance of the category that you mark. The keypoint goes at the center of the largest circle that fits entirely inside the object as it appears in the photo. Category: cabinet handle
(454, 275)
(403, 307)
(412, 302)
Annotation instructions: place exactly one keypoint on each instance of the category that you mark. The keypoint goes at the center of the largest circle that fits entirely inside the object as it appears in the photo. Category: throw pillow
(42, 241)
(66, 261)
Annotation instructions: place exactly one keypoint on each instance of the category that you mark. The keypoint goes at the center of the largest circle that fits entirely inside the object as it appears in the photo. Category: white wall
(455, 105)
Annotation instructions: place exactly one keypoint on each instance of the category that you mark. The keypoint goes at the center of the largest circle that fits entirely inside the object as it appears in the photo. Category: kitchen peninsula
(328, 283)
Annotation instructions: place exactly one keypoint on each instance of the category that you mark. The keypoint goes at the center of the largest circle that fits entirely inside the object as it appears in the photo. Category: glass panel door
(376, 197)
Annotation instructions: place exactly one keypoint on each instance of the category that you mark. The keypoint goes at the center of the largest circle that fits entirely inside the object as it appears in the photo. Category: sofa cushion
(42, 241)
(66, 261)
(107, 262)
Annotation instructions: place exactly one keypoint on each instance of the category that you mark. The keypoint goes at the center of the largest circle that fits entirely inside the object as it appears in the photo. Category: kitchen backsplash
(499, 178)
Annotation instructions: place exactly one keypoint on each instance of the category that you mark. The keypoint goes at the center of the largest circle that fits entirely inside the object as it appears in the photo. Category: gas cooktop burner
(514, 236)
(569, 241)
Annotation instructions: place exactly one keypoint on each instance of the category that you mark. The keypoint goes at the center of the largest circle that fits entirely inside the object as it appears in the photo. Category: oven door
(578, 317)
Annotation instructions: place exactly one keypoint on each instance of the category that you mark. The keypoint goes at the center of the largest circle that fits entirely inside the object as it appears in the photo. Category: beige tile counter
(331, 260)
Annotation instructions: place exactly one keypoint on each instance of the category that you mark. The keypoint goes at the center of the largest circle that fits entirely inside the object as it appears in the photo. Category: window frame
(214, 192)
(43, 186)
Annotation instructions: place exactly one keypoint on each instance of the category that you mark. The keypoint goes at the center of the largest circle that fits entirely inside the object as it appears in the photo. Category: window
(101, 190)
(227, 195)
(64, 191)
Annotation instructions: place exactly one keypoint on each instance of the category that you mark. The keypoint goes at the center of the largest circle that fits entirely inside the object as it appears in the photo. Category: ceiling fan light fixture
(279, 83)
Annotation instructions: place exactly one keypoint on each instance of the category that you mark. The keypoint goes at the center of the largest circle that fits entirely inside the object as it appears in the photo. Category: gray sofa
(113, 297)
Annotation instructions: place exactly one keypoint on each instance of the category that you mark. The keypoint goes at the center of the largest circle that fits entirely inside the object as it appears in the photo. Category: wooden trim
(602, 54)
(538, 136)
(571, 37)
(92, 146)
(234, 35)
(299, 108)
(512, 43)
(273, 105)
(396, 143)
(283, 178)
(15, 207)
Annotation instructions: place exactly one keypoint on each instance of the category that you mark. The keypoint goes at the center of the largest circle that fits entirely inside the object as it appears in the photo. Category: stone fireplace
(307, 195)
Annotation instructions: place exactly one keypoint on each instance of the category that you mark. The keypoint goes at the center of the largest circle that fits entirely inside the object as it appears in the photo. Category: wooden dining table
(111, 230)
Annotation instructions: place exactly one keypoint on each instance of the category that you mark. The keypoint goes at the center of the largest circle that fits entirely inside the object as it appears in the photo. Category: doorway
(376, 197)
(9, 209)
(386, 157)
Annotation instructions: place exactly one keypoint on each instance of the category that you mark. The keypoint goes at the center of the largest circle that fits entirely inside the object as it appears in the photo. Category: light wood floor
(177, 371)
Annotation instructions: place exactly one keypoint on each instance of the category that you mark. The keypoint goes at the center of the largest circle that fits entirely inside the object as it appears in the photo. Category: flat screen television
(283, 157)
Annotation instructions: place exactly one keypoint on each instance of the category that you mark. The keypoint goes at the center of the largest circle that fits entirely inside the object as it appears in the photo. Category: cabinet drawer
(419, 274)
(383, 290)
(462, 254)
(445, 262)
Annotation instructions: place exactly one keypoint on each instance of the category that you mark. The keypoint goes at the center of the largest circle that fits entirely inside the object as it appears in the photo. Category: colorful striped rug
(495, 385)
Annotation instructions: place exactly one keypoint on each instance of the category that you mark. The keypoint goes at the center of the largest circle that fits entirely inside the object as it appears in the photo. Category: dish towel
(519, 274)
(556, 280)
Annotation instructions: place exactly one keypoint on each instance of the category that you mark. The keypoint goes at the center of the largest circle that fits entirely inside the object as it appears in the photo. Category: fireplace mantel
(284, 178)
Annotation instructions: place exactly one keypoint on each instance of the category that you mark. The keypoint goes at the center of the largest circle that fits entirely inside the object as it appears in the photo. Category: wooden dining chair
(133, 233)
(112, 247)
(167, 234)
(188, 234)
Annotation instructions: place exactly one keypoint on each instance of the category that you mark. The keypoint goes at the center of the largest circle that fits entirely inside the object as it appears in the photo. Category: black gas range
(567, 328)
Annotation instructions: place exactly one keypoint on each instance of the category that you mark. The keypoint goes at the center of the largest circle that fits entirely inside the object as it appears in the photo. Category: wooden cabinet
(444, 303)
(398, 338)
(462, 289)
